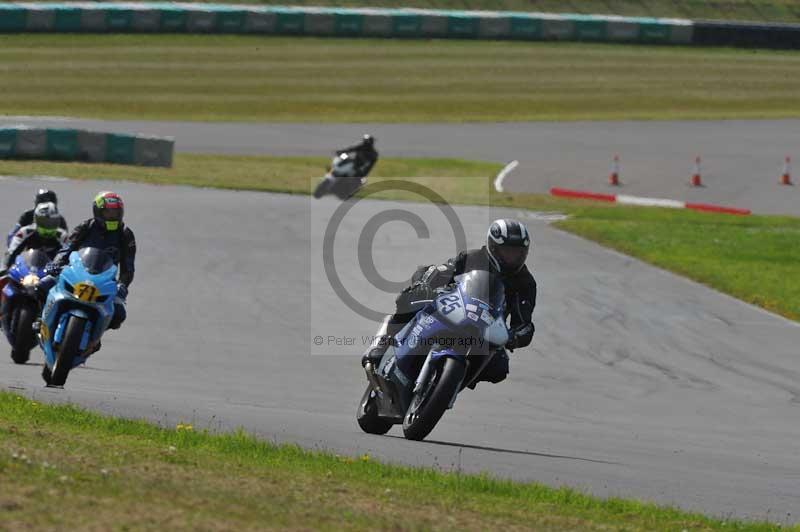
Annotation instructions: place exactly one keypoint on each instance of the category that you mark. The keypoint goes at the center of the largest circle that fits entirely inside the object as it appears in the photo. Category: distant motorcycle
(19, 295)
(343, 179)
(78, 311)
(439, 353)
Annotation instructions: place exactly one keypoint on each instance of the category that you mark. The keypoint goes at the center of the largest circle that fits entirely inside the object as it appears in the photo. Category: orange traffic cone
(786, 175)
(613, 177)
(696, 180)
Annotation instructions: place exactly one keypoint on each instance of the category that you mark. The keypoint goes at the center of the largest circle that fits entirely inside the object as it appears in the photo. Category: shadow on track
(511, 451)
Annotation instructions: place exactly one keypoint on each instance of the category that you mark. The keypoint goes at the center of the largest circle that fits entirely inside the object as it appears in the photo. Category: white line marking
(650, 202)
(498, 181)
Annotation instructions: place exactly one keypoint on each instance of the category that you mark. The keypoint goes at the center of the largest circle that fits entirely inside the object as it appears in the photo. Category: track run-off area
(638, 383)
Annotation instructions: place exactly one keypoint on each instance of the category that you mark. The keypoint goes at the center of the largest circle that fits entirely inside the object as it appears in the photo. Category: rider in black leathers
(105, 231)
(507, 247)
(366, 155)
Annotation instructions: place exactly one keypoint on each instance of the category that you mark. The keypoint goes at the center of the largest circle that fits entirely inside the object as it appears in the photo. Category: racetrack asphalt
(741, 160)
(638, 383)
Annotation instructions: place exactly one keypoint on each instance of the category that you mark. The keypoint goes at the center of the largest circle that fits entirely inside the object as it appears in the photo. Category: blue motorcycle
(78, 311)
(20, 304)
(435, 356)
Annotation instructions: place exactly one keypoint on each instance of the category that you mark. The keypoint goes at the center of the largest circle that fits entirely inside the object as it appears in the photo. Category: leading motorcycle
(78, 311)
(343, 179)
(435, 356)
(21, 302)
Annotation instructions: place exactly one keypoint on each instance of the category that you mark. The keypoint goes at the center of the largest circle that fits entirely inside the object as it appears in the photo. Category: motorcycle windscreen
(35, 259)
(483, 289)
(95, 260)
(484, 302)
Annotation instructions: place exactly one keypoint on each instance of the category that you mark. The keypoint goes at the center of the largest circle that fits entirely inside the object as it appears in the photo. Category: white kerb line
(650, 202)
(498, 181)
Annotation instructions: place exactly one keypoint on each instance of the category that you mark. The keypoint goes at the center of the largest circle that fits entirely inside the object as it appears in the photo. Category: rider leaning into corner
(507, 245)
(43, 195)
(366, 155)
(105, 230)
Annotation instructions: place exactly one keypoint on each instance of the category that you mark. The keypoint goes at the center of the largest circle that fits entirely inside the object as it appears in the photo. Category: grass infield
(62, 467)
(241, 78)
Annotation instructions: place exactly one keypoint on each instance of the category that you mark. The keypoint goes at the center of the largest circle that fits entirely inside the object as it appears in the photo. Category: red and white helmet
(109, 210)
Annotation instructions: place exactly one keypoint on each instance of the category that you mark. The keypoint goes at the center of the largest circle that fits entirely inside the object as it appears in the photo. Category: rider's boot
(495, 371)
(380, 343)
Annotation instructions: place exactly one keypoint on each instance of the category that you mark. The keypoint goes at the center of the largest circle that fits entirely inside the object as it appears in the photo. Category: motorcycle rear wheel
(68, 350)
(23, 336)
(367, 415)
(428, 406)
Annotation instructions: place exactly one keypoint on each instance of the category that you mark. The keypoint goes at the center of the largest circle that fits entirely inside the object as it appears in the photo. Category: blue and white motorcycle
(435, 356)
(20, 302)
(78, 311)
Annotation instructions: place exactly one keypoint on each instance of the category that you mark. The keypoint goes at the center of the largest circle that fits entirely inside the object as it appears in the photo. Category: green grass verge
(754, 258)
(760, 10)
(64, 467)
(294, 175)
(244, 78)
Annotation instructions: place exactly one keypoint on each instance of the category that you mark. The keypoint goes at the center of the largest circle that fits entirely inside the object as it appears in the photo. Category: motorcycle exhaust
(373, 380)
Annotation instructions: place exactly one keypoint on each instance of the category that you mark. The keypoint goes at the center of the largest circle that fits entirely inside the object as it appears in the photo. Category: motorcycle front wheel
(429, 404)
(24, 340)
(68, 350)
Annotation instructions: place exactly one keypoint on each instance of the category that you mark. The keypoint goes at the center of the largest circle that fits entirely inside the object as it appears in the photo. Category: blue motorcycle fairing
(29, 262)
(62, 303)
(21, 269)
(470, 315)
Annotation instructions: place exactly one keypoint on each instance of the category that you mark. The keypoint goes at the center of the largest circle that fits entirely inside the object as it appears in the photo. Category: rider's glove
(520, 336)
(43, 287)
(122, 291)
(52, 270)
(411, 298)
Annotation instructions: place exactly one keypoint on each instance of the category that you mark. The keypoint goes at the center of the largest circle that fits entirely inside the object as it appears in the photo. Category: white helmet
(507, 243)
(47, 219)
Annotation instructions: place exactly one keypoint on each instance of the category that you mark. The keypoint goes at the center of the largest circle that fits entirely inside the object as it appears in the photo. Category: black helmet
(108, 210)
(368, 140)
(45, 196)
(507, 243)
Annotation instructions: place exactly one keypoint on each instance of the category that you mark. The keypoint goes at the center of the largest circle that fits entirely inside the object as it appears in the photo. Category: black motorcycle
(343, 179)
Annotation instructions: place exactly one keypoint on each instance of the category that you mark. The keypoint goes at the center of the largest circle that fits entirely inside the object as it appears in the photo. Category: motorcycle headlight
(30, 280)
